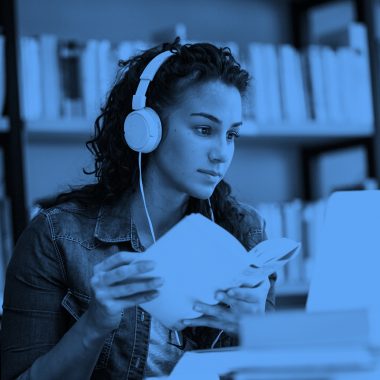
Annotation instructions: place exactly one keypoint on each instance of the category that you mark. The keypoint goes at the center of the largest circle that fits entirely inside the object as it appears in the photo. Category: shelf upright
(300, 35)
(365, 13)
(13, 138)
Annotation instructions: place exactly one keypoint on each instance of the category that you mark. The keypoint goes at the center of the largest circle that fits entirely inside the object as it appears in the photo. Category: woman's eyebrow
(214, 118)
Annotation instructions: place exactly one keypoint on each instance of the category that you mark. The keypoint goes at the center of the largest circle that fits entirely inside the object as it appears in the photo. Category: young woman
(73, 293)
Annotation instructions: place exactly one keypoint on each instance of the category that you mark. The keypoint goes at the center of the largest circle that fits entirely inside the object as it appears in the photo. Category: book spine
(273, 83)
(331, 79)
(105, 69)
(317, 84)
(294, 103)
(258, 91)
(70, 74)
(90, 78)
(31, 100)
(50, 77)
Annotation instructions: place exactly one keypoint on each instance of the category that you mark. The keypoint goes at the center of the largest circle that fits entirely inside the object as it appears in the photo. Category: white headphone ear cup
(142, 130)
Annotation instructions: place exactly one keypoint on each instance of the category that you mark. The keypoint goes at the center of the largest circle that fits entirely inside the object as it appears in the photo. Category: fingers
(240, 306)
(119, 283)
(216, 311)
(246, 300)
(137, 299)
(127, 290)
(125, 272)
(124, 281)
(115, 260)
(108, 310)
(256, 294)
(245, 294)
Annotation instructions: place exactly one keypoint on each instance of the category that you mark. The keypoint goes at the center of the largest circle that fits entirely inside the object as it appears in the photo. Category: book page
(196, 258)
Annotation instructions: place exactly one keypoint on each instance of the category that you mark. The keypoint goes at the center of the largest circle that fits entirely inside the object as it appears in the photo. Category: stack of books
(291, 346)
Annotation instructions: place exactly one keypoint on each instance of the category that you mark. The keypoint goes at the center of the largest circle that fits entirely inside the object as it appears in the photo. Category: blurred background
(311, 118)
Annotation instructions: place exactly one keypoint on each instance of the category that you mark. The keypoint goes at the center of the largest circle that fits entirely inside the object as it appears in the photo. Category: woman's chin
(202, 195)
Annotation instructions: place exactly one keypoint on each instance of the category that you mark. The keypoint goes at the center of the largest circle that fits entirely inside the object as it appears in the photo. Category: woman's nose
(218, 153)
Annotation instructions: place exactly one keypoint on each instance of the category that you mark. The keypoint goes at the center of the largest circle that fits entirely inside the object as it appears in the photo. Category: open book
(197, 257)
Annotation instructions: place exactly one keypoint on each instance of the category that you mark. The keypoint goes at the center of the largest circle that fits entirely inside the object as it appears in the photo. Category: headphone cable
(143, 198)
(150, 223)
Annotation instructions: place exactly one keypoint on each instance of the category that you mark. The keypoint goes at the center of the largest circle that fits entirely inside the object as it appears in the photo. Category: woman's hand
(118, 283)
(235, 302)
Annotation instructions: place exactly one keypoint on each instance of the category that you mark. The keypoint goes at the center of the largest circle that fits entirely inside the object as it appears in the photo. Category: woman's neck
(165, 210)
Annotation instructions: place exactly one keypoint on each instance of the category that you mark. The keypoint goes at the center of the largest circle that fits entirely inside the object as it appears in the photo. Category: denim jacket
(48, 288)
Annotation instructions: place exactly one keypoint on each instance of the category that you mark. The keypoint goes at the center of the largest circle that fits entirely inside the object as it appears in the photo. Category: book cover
(316, 83)
(292, 88)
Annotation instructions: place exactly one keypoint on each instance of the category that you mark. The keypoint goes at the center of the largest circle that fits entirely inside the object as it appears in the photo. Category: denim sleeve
(33, 321)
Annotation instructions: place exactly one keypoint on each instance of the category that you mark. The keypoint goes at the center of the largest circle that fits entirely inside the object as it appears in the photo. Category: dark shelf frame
(12, 141)
(365, 13)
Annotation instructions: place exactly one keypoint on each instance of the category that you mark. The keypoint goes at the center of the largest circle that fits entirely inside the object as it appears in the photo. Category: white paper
(197, 257)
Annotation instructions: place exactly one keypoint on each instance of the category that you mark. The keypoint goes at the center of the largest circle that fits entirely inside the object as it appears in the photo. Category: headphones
(142, 127)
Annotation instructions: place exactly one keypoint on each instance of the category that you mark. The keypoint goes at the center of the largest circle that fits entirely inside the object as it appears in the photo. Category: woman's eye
(232, 135)
(204, 131)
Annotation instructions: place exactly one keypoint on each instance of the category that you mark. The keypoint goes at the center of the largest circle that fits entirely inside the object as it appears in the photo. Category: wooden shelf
(307, 132)
(80, 128)
(73, 125)
(75, 129)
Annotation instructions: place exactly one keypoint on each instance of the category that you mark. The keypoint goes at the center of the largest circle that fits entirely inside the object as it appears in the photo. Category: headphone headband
(139, 98)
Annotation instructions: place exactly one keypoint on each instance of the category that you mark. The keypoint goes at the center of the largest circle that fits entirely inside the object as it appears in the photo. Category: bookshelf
(77, 129)
(310, 132)
(289, 136)
(306, 130)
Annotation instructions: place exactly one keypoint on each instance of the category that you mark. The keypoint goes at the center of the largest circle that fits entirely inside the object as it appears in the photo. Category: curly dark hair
(116, 165)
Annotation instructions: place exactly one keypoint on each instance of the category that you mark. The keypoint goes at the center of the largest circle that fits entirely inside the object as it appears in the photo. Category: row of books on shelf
(320, 82)
(302, 222)
(70, 79)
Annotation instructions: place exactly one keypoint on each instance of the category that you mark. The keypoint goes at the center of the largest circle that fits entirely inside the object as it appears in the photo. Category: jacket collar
(114, 222)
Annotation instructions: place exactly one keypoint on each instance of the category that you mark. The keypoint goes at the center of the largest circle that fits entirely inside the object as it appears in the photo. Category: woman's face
(199, 145)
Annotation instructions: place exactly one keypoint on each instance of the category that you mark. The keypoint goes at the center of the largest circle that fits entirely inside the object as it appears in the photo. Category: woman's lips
(210, 172)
